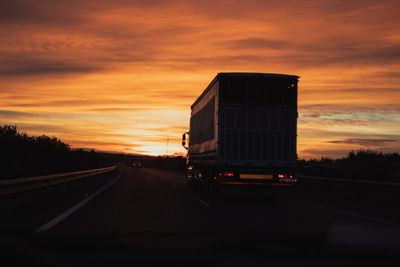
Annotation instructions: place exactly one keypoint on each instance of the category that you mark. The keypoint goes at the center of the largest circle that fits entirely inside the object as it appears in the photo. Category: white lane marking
(356, 215)
(47, 226)
(202, 202)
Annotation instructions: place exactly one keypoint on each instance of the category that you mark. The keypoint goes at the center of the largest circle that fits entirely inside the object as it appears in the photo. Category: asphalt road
(133, 215)
(148, 200)
(155, 202)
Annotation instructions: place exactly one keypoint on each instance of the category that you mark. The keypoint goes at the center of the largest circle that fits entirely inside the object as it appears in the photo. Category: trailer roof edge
(245, 74)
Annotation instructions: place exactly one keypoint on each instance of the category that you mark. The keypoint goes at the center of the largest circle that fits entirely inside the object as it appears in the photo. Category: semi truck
(243, 131)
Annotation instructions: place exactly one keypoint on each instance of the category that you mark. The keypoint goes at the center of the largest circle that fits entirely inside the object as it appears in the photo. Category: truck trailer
(243, 131)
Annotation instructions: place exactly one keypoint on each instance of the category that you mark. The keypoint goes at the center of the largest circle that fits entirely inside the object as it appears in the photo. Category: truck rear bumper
(261, 188)
(255, 183)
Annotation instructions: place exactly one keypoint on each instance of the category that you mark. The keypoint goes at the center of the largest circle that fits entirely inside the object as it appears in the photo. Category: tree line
(22, 155)
(361, 165)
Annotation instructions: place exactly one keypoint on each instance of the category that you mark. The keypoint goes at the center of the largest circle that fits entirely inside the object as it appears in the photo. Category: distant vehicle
(137, 164)
(243, 131)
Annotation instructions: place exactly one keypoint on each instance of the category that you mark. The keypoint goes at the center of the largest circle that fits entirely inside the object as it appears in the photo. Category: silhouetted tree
(23, 155)
(362, 164)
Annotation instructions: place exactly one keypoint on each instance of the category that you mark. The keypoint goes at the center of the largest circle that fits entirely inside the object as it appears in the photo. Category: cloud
(118, 110)
(42, 128)
(116, 35)
(44, 12)
(17, 114)
(256, 43)
(352, 117)
(364, 142)
(318, 153)
(18, 65)
(88, 143)
(349, 109)
(99, 67)
(388, 75)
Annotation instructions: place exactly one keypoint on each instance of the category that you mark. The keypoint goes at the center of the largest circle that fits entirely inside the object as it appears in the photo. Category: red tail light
(285, 175)
(226, 174)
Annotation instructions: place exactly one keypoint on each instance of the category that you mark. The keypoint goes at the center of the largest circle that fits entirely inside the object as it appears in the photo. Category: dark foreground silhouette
(22, 155)
(361, 165)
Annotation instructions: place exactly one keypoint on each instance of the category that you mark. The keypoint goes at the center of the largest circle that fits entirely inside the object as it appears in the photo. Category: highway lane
(140, 201)
(375, 201)
(155, 202)
(26, 211)
(149, 200)
(137, 216)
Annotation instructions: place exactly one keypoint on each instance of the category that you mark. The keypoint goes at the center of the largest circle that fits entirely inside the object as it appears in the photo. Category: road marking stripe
(202, 202)
(47, 226)
(356, 215)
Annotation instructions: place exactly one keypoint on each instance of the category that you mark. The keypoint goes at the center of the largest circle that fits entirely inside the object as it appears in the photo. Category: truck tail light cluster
(285, 175)
(226, 174)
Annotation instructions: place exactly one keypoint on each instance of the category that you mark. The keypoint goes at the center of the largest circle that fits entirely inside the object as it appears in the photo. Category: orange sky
(121, 75)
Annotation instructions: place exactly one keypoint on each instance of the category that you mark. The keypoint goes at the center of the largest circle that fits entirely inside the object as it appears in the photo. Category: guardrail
(340, 180)
(17, 185)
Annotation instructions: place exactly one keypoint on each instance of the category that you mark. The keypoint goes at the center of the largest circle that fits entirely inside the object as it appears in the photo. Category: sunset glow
(122, 75)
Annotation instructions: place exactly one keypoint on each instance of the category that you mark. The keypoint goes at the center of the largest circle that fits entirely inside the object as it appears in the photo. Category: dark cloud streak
(364, 142)
(47, 68)
(256, 43)
(41, 12)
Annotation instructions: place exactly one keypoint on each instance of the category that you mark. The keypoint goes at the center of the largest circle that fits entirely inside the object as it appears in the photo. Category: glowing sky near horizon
(121, 75)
